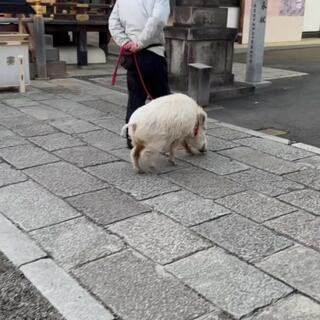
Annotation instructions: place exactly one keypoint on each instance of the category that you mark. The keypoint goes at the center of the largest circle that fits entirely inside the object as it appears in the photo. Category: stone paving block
(137, 290)
(77, 97)
(122, 176)
(103, 139)
(276, 149)
(63, 292)
(295, 307)
(108, 108)
(261, 160)
(256, 206)
(215, 163)
(308, 200)
(31, 206)
(217, 144)
(311, 162)
(204, 183)
(216, 315)
(10, 139)
(64, 179)
(227, 133)
(265, 182)
(39, 96)
(20, 102)
(299, 225)
(16, 245)
(115, 97)
(72, 126)
(228, 282)
(27, 156)
(242, 237)
(77, 241)
(158, 237)
(9, 175)
(299, 267)
(309, 177)
(27, 126)
(107, 206)
(187, 208)
(57, 141)
(75, 109)
(8, 112)
(85, 156)
(41, 112)
(111, 123)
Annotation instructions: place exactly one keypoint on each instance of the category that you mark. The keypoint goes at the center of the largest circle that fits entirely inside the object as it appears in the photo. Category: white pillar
(256, 42)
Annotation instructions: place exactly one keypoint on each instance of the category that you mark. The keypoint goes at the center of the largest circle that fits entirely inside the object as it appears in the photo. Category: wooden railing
(75, 10)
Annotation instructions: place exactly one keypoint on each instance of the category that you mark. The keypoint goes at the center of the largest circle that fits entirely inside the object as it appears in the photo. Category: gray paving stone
(64, 179)
(16, 245)
(158, 237)
(256, 206)
(56, 141)
(27, 126)
(31, 206)
(215, 163)
(205, 183)
(229, 283)
(217, 144)
(121, 175)
(9, 175)
(77, 97)
(242, 237)
(77, 241)
(111, 123)
(10, 139)
(187, 208)
(27, 156)
(63, 292)
(261, 160)
(8, 112)
(299, 225)
(107, 206)
(227, 133)
(309, 177)
(72, 126)
(20, 102)
(103, 139)
(115, 97)
(75, 109)
(108, 108)
(295, 307)
(136, 290)
(297, 266)
(276, 149)
(41, 112)
(39, 96)
(265, 182)
(84, 156)
(311, 162)
(305, 199)
(216, 315)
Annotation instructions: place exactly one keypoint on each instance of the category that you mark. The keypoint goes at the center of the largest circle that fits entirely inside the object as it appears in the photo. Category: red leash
(115, 72)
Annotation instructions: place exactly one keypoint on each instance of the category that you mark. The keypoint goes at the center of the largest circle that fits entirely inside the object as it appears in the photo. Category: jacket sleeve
(155, 24)
(116, 28)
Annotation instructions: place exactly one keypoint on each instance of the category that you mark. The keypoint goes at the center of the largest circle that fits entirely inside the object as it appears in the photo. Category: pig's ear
(201, 119)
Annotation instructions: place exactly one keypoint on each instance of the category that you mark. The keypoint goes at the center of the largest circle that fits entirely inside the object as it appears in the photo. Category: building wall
(312, 16)
(285, 20)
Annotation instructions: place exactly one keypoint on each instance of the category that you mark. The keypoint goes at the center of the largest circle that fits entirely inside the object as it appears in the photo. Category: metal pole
(256, 41)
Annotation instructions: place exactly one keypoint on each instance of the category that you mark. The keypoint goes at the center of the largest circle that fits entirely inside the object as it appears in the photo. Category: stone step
(52, 54)
(57, 69)
(236, 90)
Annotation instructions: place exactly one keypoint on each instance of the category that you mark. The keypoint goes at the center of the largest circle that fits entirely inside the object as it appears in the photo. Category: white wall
(311, 20)
(234, 17)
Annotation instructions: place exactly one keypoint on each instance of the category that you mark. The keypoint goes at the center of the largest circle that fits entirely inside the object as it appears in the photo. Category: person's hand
(131, 46)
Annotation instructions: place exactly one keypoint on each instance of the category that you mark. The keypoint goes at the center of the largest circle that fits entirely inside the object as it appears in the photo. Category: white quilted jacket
(141, 21)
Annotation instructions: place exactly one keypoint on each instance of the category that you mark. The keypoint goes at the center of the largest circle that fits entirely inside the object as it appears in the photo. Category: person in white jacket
(137, 25)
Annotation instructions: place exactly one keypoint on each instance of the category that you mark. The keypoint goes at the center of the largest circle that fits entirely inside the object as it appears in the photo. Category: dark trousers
(154, 70)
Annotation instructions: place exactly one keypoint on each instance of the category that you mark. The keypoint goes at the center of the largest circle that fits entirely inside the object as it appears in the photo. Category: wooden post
(82, 53)
(104, 39)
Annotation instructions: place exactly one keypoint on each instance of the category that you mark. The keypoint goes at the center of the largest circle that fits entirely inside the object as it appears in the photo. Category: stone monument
(199, 34)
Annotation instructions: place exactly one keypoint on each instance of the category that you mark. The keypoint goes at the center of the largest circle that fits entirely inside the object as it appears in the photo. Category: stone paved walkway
(233, 234)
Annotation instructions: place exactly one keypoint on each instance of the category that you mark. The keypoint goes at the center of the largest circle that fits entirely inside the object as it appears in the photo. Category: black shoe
(129, 144)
